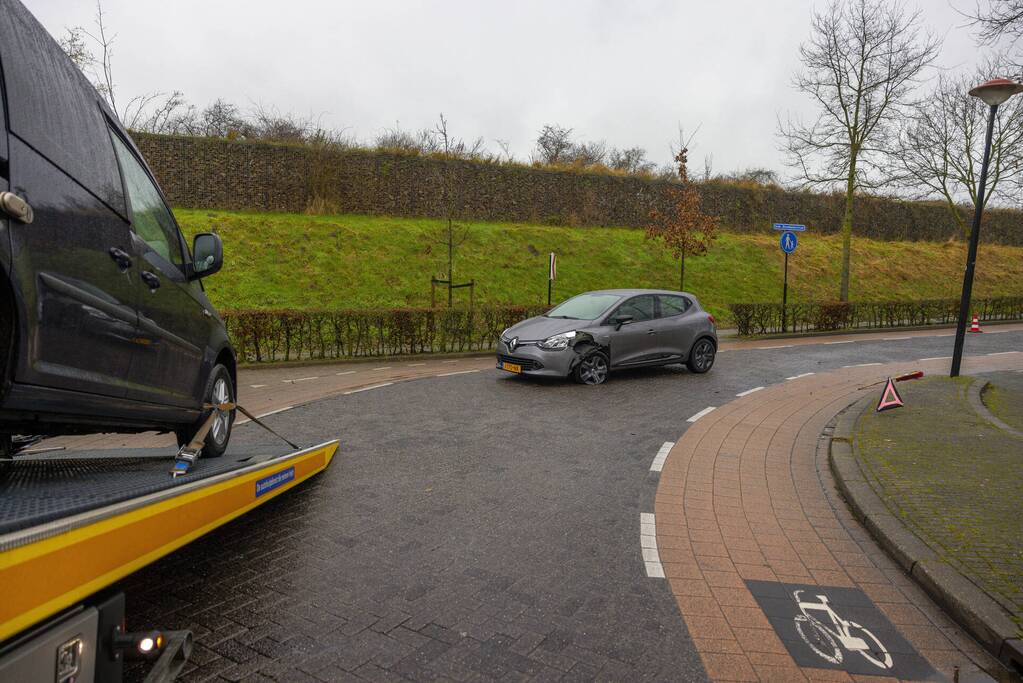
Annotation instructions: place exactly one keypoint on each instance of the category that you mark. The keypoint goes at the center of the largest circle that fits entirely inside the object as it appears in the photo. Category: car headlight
(557, 342)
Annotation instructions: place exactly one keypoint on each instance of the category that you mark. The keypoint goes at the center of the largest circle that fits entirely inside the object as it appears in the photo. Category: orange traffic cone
(975, 325)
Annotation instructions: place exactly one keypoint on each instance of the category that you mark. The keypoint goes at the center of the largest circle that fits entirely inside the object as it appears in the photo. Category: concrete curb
(971, 607)
(974, 396)
(863, 330)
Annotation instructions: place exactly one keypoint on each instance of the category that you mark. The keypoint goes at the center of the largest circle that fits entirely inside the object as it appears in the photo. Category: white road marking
(846, 341)
(861, 365)
(346, 372)
(648, 545)
(372, 386)
(386, 367)
(700, 414)
(895, 338)
(921, 360)
(765, 348)
(300, 379)
(459, 372)
(451, 361)
(662, 455)
(257, 386)
(412, 365)
(1003, 353)
(260, 417)
(943, 335)
(748, 391)
(805, 374)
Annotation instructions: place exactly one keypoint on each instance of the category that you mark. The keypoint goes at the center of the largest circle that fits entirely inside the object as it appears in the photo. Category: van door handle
(151, 280)
(121, 258)
(16, 207)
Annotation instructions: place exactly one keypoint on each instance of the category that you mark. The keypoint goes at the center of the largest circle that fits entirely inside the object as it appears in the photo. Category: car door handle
(16, 207)
(151, 280)
(121, 258)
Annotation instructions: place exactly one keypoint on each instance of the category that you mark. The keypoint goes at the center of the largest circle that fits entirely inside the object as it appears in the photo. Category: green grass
(354, 261)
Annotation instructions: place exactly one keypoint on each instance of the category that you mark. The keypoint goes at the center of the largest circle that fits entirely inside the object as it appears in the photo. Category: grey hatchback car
(593, 333)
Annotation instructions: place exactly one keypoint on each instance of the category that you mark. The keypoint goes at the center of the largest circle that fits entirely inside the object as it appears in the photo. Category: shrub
(274, 335)
(765, 318)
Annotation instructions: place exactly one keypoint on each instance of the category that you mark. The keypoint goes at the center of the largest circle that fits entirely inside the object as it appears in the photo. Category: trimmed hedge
(275, 335)
(208, 173)
(752, 319)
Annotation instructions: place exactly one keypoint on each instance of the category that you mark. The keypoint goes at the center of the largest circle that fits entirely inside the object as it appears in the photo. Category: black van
(104, 324)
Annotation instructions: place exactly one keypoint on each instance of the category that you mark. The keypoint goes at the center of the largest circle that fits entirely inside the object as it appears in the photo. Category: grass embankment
(954, 479)
(307, 262)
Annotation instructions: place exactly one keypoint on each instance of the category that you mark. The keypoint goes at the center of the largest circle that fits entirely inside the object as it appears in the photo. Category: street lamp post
(993, 93)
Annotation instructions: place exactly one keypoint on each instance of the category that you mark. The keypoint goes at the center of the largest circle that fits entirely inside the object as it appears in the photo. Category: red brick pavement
(746, 493)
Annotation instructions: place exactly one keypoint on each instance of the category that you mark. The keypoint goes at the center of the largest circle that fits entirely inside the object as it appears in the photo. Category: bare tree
(942, 146)
(997, 20)
(861, 66)
(455, 235)
(630, 160)
(554, 144)
(708, 167)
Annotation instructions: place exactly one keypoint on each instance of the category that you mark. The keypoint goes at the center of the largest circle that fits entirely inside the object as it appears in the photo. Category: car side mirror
(620, 320)
(207, 255)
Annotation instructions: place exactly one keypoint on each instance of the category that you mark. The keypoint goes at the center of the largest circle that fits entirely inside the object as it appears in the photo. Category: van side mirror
(207, 255)
(620, 320)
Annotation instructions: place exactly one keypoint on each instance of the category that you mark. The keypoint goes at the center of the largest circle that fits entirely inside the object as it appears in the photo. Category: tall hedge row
(218, 174)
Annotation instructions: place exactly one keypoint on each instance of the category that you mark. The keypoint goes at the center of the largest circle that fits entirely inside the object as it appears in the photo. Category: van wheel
(219, 389)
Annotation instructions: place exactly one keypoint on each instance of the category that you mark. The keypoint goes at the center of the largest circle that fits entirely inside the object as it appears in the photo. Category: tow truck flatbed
(72, 525)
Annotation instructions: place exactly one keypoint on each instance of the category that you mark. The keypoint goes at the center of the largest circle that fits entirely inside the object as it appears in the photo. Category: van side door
(73, 280)
(173, 327)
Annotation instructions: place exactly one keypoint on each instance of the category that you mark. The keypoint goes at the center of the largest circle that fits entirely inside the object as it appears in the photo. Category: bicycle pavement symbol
(837, 628)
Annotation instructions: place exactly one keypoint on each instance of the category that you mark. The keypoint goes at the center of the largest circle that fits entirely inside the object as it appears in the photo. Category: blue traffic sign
(789, 227)
(788, 242)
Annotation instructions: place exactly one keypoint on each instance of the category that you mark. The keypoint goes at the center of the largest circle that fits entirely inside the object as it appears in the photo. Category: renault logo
(513, 343)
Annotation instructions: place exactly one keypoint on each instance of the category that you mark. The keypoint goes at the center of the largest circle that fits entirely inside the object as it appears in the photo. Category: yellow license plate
(511, 367)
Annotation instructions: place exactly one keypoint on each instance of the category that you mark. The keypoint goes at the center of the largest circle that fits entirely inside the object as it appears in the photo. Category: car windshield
(584, 306)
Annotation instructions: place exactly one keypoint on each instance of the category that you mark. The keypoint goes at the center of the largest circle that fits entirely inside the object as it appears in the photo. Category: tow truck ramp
(72, 526)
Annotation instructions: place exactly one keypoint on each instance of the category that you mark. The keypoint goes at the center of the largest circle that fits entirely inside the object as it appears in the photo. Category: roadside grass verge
(306, 262)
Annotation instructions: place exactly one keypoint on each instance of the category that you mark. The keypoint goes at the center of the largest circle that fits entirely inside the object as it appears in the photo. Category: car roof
(635, 292)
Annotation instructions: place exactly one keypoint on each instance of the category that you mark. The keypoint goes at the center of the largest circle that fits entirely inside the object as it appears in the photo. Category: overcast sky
(627, 72)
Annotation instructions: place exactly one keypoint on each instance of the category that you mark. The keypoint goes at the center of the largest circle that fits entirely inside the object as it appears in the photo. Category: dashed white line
(662, 455)
(386, 367)
(765, 348)
(895, 338)
(748, 391)
(412, 365)
(648, 545)
(700, 414)
(346, 372)
(1003, 353)
(451, 361)
(372, 386)
(459, 372)
(861, 365)
(257, 386)
(921, 360)
(300, 379)
(260, 417)
(805, 374)
(844, 341)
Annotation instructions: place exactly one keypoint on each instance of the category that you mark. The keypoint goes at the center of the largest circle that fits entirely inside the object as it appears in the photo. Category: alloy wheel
(593, 369)
(221, 424)
(703, 354)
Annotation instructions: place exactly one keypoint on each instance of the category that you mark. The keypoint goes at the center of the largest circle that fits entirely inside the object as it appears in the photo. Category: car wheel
(701, 357)
(219, 389)
(592, 369)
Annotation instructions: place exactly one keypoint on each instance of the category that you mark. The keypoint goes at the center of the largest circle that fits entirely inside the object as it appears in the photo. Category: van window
(54, 108)
(151, 219)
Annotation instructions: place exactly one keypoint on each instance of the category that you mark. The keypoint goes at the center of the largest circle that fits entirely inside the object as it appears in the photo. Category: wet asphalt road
(478, 526)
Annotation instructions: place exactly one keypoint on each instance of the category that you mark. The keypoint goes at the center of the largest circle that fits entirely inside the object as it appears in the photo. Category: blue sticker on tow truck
(269, 483)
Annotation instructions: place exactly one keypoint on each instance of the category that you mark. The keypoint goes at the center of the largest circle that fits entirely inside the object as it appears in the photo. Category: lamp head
(997, 90)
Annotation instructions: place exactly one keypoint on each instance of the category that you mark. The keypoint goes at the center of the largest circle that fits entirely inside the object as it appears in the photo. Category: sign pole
(552, 272)
(785, 295)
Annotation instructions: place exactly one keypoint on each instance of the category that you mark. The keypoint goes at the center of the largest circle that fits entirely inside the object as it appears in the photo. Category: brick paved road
(472, 527)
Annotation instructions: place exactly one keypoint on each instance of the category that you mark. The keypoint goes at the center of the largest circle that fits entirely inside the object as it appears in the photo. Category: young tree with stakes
(683, 228)
(862, 64)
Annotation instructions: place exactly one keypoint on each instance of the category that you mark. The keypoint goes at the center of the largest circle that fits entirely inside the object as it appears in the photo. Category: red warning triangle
(889, 397)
